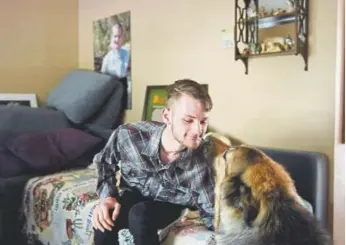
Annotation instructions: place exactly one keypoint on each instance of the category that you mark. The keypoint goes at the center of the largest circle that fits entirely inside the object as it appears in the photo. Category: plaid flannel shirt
(135, 149)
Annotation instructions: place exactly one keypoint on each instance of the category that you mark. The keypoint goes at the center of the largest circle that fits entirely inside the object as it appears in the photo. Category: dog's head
(253, 184)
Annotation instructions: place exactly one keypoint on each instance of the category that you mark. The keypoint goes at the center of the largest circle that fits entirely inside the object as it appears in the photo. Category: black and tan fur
(218, 144)
(257, 203)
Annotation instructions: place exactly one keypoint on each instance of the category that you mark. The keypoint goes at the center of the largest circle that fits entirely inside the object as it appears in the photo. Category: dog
(217, 145)
(256, 203)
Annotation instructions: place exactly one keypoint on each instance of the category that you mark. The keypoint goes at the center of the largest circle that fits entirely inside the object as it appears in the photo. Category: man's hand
(101, 218)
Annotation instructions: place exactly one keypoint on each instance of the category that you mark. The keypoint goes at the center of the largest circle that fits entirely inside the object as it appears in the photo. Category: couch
(67, 218)
(85, 105)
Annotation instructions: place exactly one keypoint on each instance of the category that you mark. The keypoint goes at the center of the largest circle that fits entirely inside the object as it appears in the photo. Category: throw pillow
(10, 165)
(51, 151)
(81, 93)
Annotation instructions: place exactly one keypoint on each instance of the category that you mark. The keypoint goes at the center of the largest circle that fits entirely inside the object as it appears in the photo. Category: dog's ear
(250, 213)
(241, 198)
(248, 205)
(253, 156)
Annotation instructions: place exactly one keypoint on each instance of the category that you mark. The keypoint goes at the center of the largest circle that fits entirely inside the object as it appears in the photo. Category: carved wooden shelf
(247, 29)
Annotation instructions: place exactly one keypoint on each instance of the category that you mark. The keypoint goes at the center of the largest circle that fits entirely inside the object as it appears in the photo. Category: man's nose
(197, 127)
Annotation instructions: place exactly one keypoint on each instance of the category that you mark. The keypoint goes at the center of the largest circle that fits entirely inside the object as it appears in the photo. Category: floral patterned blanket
(58, 210)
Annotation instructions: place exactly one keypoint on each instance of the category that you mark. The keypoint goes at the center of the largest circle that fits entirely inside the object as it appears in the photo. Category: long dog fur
(218, 143)
(259, 205)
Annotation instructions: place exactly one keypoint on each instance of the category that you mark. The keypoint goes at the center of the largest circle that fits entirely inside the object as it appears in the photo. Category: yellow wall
(38, 44)
(278, 104)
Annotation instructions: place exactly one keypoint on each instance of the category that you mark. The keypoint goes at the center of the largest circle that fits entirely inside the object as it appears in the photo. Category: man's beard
(181, 141)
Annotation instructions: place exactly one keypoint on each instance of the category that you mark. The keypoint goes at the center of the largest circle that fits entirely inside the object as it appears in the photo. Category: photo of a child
(112, 49)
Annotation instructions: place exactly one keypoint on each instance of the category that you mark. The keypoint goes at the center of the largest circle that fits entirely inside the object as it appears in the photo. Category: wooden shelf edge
(282, 53)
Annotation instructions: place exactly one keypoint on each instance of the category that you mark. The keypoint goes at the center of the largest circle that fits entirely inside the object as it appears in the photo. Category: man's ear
(165, 116)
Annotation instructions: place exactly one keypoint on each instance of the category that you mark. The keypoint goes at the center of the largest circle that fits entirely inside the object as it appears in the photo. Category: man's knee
(140, 213)
(106, 237)
(142, 224)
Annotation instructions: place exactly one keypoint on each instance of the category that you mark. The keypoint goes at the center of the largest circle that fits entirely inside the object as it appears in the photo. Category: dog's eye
(252, 156)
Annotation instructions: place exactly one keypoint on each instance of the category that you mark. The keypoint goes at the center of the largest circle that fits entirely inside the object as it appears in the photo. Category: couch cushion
(10, 165)
(18, 120)
(81, 93)
(51, 151)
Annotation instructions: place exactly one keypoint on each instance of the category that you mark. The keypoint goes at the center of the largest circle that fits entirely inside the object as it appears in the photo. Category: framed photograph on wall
(112, 49)
(15, 99)
(155, 102)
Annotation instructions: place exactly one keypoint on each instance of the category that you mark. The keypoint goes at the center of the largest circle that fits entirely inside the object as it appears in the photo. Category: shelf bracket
(245, 61)
(303, 30)
(305, 57)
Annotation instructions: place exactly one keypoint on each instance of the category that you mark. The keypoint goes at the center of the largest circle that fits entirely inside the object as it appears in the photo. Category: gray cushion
(109, 115)
(81, 93)
(98, 131)
(17, 120)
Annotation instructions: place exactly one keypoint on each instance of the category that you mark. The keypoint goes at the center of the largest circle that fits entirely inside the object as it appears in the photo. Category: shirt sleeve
(205, 201)
(107, 165)
(206, 211)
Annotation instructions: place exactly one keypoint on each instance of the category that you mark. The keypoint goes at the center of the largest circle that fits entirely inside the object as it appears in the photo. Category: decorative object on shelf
(14, 99)
(290, 6)
(155, 102)
(252, 11)
(271, 28)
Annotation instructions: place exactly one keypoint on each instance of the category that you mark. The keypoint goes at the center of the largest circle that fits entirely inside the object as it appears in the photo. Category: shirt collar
(180, 162)
(152, 149)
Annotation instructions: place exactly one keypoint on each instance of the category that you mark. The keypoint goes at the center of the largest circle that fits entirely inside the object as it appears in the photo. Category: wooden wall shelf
(249, 32)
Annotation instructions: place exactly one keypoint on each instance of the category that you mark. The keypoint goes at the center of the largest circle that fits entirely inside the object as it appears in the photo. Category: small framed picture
(155, 102)
(15, 99)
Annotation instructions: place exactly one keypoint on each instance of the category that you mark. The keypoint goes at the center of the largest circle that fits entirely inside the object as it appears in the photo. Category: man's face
(187, 120)
(117, 37)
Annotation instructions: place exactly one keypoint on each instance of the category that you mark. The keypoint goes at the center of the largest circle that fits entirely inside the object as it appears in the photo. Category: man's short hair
(191, 88)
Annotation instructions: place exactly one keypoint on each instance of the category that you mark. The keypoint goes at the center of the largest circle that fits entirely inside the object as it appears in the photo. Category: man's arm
(205, 200)
(206, 211)
(107, 166)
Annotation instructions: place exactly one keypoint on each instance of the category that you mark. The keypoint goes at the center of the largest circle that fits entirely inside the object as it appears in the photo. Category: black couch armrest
(11, 194)
(310, 172)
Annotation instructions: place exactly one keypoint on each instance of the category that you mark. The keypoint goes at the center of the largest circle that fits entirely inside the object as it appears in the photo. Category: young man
(164, 169)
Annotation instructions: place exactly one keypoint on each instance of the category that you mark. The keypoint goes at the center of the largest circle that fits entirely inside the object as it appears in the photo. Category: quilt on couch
(58, 208)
